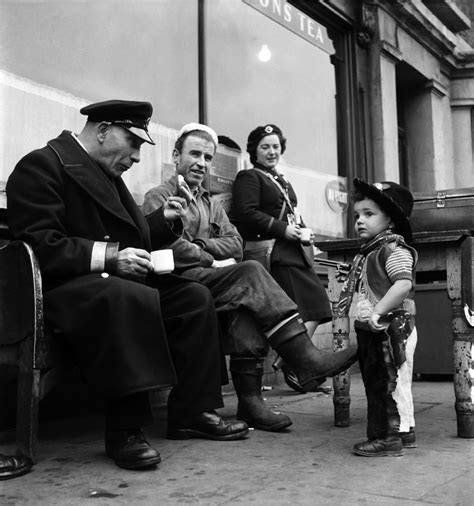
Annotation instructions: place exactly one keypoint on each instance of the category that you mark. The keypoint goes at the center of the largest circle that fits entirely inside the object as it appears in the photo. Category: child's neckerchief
(349, 287)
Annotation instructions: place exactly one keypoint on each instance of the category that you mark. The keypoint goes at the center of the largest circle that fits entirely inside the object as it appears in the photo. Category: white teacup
(163, 261)
(305, 236)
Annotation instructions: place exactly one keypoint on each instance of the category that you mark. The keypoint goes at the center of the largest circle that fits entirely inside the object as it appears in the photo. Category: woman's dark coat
(256, 206)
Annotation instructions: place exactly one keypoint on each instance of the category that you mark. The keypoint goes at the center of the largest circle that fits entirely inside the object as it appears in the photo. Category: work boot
(247, 377)
(292, 380)
(310, 364)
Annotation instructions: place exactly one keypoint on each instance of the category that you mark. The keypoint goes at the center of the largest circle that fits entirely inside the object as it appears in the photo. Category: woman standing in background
(264, 209)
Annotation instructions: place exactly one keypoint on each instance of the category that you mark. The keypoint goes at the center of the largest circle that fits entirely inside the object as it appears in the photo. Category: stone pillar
(384, 58)
(428, 125)
(463, 145)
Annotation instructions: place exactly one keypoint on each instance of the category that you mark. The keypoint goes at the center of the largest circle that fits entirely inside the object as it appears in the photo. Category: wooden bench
(25, 342)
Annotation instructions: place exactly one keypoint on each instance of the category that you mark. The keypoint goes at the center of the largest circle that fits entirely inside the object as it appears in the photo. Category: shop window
(57, 56)
(97, 50)
(258, 72)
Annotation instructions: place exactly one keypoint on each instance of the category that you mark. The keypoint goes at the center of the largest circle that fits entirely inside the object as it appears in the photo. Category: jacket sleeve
(162, 233)
(186, 253)
(37, 215)
(225, 241)
(247, 207)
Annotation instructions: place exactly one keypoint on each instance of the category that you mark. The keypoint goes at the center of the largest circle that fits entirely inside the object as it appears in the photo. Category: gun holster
(400, 327)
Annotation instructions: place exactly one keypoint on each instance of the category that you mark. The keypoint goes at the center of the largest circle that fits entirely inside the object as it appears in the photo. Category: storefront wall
(413, 67)
(462, 103)
(58, 56)
(98, 49)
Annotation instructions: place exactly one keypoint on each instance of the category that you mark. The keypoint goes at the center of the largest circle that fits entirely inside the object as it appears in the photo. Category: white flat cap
(189, 127)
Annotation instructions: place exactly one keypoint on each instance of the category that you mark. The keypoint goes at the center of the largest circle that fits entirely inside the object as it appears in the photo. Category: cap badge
(382, 186)
(268, 129)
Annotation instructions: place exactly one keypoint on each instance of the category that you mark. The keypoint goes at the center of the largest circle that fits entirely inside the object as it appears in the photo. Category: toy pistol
(399, 329)
(342, 268)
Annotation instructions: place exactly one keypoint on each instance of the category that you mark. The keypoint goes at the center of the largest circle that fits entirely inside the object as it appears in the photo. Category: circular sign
(337, 196)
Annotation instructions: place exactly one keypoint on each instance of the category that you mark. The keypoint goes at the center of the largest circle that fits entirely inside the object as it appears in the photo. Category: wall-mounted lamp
(264, 54)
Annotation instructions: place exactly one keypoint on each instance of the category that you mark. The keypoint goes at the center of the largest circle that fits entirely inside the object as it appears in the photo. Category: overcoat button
(105, 275)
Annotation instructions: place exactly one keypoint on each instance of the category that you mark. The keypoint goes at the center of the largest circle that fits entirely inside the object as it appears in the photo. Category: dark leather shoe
(408, 438)
(130, 449)
(389, 447)
(207, 425)
(13, 466)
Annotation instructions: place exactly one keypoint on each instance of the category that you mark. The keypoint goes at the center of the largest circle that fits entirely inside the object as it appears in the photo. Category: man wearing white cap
(258, 312)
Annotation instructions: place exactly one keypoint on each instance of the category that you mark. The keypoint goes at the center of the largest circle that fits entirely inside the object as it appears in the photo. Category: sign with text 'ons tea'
(293, 19)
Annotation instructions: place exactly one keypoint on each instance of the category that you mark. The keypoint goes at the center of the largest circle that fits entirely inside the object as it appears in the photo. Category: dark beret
(132, 115)
(258, 134)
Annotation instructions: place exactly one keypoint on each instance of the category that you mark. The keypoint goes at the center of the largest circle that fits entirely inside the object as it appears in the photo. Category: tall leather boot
(247, 377)
(310, 364)
(292, 381)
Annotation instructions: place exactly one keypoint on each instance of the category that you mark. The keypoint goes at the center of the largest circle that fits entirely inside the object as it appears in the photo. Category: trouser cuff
(286, 330)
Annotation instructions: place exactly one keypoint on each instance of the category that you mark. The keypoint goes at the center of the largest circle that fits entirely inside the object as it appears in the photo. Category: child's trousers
(403, 392)
(388, 389)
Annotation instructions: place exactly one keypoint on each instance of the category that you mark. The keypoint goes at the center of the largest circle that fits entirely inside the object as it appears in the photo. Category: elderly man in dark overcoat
(130, 329)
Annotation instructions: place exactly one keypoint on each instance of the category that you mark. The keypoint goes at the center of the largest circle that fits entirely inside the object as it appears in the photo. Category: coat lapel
(92, 179)
(134, 211)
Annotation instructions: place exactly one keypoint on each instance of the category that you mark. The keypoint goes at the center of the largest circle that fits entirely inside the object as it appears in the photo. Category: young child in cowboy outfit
(383, 275)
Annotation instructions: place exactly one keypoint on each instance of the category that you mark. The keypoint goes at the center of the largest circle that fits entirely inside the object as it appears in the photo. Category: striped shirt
(399, 265)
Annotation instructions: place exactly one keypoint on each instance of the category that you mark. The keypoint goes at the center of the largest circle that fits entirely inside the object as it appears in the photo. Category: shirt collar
(200, 191)
(76, 138)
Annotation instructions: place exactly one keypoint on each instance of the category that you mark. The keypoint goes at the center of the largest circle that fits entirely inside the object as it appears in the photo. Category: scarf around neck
(347, 294)
(273, 173)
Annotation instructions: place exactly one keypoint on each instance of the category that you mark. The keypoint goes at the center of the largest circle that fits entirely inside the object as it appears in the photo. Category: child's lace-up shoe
(408, 438)
(391, 446)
